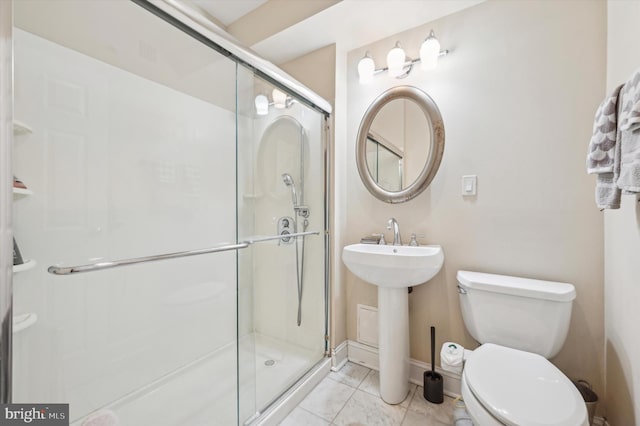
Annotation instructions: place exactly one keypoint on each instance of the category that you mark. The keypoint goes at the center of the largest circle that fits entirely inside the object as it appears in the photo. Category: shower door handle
(69, 270)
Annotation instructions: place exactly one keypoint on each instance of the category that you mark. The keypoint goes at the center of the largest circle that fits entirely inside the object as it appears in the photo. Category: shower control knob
(286, 226)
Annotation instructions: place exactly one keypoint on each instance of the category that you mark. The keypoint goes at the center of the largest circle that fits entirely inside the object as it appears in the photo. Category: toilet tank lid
(525, 287)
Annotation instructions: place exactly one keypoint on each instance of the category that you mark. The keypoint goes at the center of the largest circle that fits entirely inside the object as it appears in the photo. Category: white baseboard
(339, 356)
(363, 354)
(368, 356)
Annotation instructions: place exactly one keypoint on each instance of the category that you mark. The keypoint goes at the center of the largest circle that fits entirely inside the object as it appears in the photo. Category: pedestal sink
(393, 269)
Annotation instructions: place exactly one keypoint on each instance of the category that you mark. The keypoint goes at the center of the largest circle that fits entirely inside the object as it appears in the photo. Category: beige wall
(274, 16)
(622, 244)
(316, 70)
(518, 95)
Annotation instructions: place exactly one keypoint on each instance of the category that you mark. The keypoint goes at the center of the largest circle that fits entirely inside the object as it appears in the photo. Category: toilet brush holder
(433, 387)
(433, 384)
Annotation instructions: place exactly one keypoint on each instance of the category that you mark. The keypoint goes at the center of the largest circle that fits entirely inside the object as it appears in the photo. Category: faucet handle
(414, 241)
(382, 241)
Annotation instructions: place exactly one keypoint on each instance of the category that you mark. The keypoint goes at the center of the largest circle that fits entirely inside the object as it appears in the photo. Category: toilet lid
(522, 388)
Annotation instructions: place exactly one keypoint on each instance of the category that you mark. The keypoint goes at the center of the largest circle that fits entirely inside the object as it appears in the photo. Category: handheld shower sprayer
(288, 180)
(298, 211)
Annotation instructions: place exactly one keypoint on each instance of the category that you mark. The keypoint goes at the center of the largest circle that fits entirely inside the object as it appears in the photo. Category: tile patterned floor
(350, 397)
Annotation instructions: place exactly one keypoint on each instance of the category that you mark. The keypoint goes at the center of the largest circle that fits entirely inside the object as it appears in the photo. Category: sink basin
(393, 266)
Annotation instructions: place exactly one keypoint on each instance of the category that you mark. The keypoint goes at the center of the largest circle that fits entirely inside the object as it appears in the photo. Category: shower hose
(300, 266)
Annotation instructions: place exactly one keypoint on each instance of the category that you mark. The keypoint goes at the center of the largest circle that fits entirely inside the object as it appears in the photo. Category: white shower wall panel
(275, 283)
(120, 167)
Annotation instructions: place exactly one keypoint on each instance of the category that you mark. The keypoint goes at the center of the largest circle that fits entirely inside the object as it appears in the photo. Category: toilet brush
(433, 381)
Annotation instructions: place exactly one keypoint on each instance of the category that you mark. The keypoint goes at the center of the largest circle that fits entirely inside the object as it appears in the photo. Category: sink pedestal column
(393, 340)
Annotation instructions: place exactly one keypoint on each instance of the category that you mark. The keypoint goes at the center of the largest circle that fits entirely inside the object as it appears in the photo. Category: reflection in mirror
(402, 128)
(385, 162)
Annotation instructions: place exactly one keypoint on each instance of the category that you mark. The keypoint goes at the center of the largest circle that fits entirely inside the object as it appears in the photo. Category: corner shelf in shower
(21, 192)
(29, 264)
(20, 128)
(24, 321)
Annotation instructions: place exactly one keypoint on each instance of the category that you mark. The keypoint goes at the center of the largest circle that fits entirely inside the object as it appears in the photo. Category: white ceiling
(349, 23)
(354, 23)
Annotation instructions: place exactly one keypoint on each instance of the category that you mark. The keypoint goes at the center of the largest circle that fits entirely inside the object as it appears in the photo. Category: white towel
(608, 194)
(633, 120)
(600, 158)
(603, 157)
(630, 113)
(629, 136)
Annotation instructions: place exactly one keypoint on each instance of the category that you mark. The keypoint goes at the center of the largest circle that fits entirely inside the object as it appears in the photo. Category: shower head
(288, 180)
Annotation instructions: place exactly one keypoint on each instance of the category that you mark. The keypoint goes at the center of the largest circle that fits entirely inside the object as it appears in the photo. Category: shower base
(203, 392)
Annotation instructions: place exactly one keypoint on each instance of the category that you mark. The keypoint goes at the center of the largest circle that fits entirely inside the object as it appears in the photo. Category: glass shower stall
(169, 207)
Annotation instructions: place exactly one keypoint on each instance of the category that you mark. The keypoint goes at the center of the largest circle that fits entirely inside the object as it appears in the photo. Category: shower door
(135, 138)
(125, 138)
(282, 287)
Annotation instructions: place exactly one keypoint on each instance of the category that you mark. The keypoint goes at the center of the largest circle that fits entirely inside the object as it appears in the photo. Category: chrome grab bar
(68, 270)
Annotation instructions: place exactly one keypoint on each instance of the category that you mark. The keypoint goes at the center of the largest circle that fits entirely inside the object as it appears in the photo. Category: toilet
(520, 323)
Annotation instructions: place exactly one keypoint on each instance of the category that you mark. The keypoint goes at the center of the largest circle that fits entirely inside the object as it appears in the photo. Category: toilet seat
(523, 389)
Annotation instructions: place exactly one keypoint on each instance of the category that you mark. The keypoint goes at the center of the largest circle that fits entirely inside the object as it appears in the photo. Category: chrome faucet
(397, 240)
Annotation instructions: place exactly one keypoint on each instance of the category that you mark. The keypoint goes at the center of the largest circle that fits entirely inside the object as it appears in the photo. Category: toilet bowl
(504, 386)
(520, 323)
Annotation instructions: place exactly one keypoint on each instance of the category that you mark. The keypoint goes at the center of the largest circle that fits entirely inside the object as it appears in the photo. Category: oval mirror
(400, 144)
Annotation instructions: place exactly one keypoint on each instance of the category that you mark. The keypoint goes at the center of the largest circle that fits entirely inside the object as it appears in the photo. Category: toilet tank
(520, 313)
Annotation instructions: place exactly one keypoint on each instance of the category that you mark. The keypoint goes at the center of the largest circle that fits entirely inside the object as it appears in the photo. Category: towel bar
(68, 270)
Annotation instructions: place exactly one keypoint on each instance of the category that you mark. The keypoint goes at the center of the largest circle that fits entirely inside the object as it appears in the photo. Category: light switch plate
(469, 185)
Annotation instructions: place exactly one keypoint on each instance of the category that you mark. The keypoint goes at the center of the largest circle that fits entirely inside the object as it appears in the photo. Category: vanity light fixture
(396, 59)
(280, 101)
(399, 65)
(366, 69)
(430, 52)
(262, 105)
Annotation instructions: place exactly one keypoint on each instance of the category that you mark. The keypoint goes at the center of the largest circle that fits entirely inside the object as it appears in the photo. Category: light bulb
(429, 52)
(262, 105)
(279, 99)
(366, 68)
(396, 60)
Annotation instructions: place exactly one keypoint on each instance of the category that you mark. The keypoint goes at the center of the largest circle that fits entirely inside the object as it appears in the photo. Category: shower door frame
(6, 198)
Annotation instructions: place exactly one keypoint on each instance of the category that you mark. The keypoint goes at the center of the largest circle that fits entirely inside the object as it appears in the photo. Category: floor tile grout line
(363, 380)
(312, 413)
(338, 379)
(412, 397)
(406, 411)
(344, 405)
